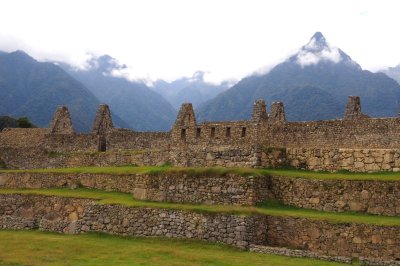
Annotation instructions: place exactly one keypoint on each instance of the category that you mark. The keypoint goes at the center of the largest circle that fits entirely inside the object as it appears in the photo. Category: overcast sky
(173, 38)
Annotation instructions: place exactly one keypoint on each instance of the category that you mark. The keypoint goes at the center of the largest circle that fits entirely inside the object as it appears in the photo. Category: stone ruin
(103, 121)
(265, 140)
(355, 143)
(353, 109)
(61, 122)
(277, 113)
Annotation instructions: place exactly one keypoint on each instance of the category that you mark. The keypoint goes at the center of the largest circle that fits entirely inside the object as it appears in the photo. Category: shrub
(24, 122)
(2, 164)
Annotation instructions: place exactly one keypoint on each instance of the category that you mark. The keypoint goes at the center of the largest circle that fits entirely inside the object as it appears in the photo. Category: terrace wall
(183, 188)
(368, 196)
(80, 215)
(321, 237)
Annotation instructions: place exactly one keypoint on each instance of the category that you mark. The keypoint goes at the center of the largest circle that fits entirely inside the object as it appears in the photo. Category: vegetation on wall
(221, 171)
(273, 208)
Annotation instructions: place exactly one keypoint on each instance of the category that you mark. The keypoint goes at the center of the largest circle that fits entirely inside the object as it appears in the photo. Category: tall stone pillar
(259, 112)
(61, 122)
(353, 109)
(103, 120)
(277, 113)
(185, 123)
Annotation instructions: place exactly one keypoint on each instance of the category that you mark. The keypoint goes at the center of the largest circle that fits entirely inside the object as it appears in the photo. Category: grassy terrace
(272, 208)
(41, 248)
(380, 176)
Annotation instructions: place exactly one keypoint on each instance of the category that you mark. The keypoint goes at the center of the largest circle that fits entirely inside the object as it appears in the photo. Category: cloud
(311, 54)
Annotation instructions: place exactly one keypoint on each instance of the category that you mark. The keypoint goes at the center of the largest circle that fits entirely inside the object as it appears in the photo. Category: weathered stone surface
(277, 113)
(319, 145)
(259, 112)
(369, 242)
(240, 231)
(103, 121)
(376, 197)
(297, 253)
(356, 160)
(61, 122)
(353, 108)
(230, 189)
(347, 240)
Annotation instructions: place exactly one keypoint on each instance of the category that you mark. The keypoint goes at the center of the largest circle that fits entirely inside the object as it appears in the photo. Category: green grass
(41, 248)
(272, 208)
(222, 171)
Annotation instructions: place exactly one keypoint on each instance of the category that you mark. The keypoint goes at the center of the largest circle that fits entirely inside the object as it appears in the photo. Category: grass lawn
(42, 248)
(268, 208)
(380, 176)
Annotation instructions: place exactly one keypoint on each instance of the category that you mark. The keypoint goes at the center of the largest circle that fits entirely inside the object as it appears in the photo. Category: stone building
(355, 143)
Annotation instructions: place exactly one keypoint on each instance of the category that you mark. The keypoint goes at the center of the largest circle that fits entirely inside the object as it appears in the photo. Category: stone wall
(235, 230)
(82, 215)
(230, 143)
(71, 143)
(365, 133)
(357, 160)
(219, 155)
(34, 208)
(124, 139)
(375, 197)
(321, 237)
(230, 189)
(79, 215)
(36, 158)
(354, 160)
(355, 143)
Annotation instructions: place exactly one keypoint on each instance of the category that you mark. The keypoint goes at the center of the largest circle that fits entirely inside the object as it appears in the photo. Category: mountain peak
(319, 50)
(317, 43)
(21, 55)
(318, 36)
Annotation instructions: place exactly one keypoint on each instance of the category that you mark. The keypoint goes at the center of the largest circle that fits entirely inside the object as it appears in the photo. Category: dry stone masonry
(353, 109)
(321, 239)
(103, 121)
(61, 122)
(356, 143)
(230, 189)
(366, 196)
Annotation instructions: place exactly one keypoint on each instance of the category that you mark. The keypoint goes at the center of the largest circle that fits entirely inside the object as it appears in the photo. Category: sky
(168, 39)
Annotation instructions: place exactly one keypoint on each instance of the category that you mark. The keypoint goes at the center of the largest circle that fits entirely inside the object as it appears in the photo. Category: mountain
(393, 72)
(194, 90)
(313, 84)
(35, 89)
(133, 101)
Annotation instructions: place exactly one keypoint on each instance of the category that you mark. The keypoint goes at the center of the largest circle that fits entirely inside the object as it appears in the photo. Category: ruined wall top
(103, 121)
(259, 112)
(353, 109)
(186, 117)
(61, 122)
(277, 113)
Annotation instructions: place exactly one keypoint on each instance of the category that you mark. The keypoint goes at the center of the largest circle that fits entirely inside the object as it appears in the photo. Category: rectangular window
(243, 132)
(198, 132)
(183, 133)
(213, 132)
(228, 132)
